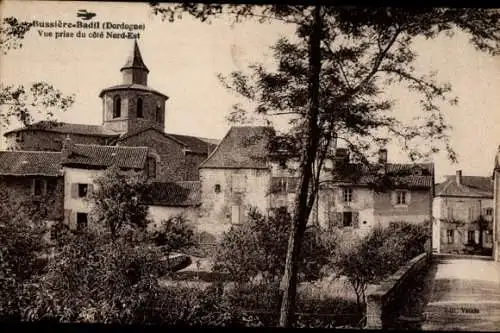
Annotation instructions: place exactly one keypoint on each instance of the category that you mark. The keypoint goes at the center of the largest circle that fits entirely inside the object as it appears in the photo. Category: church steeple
(134, 70)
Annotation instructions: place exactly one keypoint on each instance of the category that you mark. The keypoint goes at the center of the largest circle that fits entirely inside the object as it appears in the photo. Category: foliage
(21, 235)
(90, 272)
(380, 253)
(11, 33)
(173, 235)
(120, 201)
(260, 245)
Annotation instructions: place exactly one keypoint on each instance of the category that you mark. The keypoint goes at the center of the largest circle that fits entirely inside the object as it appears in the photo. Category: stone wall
(49, 204)
(221, 201)
(380, 300)
(175, 164)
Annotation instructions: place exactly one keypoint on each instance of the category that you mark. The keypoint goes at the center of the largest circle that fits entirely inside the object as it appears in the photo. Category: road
(462, 293)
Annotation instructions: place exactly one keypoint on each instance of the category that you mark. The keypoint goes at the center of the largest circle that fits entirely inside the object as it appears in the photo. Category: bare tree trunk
(301, 211)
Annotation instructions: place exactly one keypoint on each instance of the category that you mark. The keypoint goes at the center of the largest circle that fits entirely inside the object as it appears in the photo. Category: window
(19, 137)
(471, 239)
(83, 190)
(450, 212)
(39, 187)
(81, 221)
(139, 108)
(217, 188)
(283, 184)
(489, 211)
(401, 198)
(117, 107)
(151, 167)
(347, 194)
(450, 235)
(471, 213)
(347, 219)
(158, 113)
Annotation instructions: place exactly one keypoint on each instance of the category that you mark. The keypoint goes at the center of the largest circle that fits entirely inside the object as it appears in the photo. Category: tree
(22, 103)
(368, 259)
(174, 235)
(260, 246)
(120, 201)
(21, 234)
(352, 55)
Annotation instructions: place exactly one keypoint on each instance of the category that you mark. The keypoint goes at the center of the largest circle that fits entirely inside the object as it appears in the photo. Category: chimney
(459, 177)
(382, 156)
(67, 147)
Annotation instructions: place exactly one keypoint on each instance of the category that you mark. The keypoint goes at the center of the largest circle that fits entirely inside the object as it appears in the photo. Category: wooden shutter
(67, 216)
(44, 187)
(355, 219)
(235, 214)
(90, 188)
(72, 220)
(394, 197)
(339, 219)
(74, 190)
(340, 194)
(408, 197)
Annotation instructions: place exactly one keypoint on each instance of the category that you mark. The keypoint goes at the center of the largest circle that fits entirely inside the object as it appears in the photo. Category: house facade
(389, 192)
(238, 175)
(33, 179)
(463, 214)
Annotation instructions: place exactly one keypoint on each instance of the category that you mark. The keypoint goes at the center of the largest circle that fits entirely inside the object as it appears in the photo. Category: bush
(260, 245)
(380, 253)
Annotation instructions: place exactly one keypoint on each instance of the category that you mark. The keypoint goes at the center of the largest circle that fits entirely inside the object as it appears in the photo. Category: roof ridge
(216, 148)
(107, 146)
(30, 151)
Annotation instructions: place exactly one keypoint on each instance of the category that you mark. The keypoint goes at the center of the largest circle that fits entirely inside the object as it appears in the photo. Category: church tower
(133, 105)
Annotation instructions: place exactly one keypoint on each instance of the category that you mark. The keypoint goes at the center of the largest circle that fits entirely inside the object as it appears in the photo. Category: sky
(184, 58)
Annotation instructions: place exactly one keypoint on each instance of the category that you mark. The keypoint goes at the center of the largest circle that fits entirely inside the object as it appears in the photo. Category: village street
(463, 294)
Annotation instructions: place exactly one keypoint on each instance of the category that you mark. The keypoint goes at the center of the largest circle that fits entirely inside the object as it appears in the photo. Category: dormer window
(117, 107)
(139, 108)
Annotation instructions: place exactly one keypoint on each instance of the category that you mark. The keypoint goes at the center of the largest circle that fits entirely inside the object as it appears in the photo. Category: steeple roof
(135, 59)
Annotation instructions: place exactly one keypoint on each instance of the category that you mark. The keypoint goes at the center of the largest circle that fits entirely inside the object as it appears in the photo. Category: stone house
(239, 175)
(496, 207)
(363, 196)
(460, 201)
(34, 178)
(133, 115)
(82, 164)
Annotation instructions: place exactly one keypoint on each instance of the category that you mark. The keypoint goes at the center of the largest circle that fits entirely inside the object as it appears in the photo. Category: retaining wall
(388, 291)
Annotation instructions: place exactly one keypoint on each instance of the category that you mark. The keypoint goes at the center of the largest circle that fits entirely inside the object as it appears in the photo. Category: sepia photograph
(250, 165)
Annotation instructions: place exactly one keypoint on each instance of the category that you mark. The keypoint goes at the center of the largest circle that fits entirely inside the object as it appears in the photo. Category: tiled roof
(243, 147)
(471, 186)
(30, 163)
(106, 156)
(185, 193)
(411, 175)
(67, 128)
(131, 86)
(193, 143)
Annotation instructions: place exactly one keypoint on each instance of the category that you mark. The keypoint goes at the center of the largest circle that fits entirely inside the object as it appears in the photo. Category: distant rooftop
(30, 163)
(67, 128)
